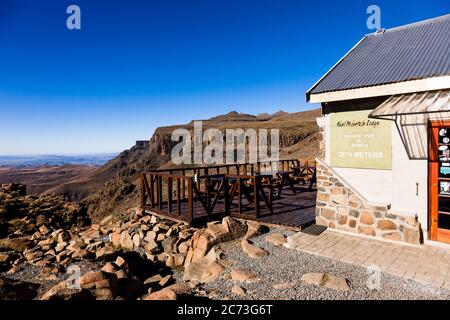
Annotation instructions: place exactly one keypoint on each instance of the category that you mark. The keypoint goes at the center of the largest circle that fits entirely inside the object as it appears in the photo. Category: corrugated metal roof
(415, 51)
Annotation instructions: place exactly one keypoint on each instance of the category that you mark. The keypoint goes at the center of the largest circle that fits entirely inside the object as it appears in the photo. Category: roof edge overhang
(428, 84)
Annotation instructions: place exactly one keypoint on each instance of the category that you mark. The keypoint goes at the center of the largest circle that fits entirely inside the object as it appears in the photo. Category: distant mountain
(55, 160)
(114, 187)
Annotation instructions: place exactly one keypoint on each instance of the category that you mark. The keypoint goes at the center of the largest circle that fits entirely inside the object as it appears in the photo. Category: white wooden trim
(437, 83)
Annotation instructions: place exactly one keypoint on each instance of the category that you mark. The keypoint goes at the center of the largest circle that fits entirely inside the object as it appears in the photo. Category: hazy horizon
(55, 160)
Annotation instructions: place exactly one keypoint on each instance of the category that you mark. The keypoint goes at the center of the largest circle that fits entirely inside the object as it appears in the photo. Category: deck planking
(293, 210)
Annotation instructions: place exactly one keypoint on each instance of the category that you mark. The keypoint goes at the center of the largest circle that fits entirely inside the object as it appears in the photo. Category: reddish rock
(328, 213)
(164, 294)
(387, 225)
(252, 250)
(367, 218)
(342, 219)
(368, 231)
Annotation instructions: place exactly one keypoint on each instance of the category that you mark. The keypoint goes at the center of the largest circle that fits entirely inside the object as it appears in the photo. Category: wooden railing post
(178, 196)
(226, 199)
(159, 191)
(152, 191)
(239, 190)
(143, 191)
(169, 194)
(256, 182)
(190, 202)
(183, 182)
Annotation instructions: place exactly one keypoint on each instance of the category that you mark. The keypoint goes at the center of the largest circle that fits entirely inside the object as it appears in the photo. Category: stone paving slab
(425, 264)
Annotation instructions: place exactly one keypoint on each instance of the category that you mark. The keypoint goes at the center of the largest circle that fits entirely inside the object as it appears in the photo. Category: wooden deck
(197, 195)
(293, 210)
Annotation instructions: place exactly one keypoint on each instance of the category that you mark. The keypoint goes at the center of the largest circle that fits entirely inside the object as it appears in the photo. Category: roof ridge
(413, 24)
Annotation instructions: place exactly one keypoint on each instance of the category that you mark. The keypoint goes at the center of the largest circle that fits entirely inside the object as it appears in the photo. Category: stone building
(384, 164)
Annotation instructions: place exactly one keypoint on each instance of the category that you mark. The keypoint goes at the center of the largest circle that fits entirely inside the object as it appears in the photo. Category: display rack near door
(439, 181)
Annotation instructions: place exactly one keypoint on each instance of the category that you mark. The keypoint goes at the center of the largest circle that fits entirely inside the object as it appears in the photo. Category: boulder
(254, 229)
(252, 250)
(203, 271)
(104, 252)
(91, 277)
(45, 242)
(19, 244)
(43, 230)
(243, 276)
(235, 228)
(81, 254)
(109, 268)
(63, 237)
(151, 246)
(32, 254)
(150, 235)
(314, 278)
(204, 239)
(6, 257)
(326, 280)
(136, 240)
(164, 294)
(239, 291)
(62, 291)
(115, 238)
(90, 235)
(182, 288)
(168, 243)
(125, 241)
(183, 247)
(165, 281)
(175, 260)
(120, 262)
(153, 279)
(277, 239)
(60, 246)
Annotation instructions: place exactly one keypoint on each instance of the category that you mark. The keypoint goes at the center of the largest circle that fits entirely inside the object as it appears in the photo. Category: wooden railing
(243, 168)
(207, 193)
(185, 197)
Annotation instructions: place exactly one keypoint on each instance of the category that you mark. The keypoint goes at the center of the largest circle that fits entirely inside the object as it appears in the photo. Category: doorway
(439, 181)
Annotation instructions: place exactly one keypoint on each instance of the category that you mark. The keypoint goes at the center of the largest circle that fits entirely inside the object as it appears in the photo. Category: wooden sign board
(357, 141)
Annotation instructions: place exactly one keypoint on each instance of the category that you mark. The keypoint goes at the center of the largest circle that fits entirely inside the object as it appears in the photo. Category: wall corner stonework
(321, 124)
(338, 207)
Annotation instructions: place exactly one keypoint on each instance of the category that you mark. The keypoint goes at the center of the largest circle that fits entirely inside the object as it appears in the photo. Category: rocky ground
(22, 214)
(61, 256)
(281, 275)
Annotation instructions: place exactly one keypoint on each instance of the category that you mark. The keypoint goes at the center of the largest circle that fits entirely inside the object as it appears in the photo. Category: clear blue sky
(136, 65)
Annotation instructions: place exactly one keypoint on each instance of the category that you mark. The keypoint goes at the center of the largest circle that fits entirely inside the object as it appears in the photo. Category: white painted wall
(408, 198)
(396, 187)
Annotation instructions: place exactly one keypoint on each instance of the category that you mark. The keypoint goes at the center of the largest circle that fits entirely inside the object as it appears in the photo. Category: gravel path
(284, 265)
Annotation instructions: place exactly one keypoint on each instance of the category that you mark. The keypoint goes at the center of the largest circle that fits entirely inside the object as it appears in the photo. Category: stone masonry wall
(321, 154)
(338, 207)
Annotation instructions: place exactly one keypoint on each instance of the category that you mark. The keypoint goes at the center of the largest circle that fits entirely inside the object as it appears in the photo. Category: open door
(439, 181)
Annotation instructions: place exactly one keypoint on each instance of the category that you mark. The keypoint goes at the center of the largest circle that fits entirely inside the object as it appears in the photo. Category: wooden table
(301, 173)
(284, 180)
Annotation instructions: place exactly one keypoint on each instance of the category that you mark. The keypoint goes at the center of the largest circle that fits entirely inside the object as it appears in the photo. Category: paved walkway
(425, 264)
